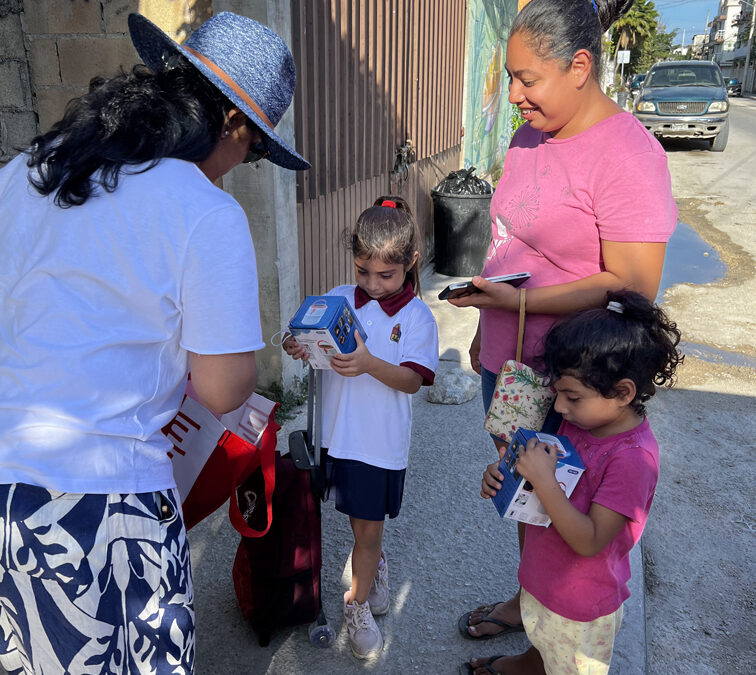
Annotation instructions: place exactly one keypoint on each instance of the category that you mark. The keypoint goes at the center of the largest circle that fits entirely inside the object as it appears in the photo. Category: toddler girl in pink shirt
(604, 365)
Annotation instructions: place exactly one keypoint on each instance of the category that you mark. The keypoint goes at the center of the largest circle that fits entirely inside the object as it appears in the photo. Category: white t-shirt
(363, 419)
(99, 305)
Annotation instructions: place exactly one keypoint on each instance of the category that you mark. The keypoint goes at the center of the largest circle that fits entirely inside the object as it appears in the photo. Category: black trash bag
(463, 182)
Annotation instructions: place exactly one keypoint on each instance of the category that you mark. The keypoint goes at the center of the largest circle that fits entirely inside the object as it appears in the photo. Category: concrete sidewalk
(448, 551)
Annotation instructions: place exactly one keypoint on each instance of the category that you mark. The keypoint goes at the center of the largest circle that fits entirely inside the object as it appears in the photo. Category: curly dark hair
(132, 118)
(600, 347)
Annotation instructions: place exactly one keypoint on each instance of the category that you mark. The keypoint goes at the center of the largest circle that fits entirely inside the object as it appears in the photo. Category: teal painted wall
(488, 114)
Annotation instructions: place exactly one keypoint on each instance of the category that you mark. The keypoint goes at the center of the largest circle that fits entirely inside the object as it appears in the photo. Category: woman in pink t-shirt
(584, 203)
(604, 364)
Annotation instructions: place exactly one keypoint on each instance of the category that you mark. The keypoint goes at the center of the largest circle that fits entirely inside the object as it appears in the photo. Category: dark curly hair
(388, 233)
(132, 118)
(600, 347)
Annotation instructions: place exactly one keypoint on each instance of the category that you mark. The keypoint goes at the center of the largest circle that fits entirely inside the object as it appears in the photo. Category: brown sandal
(464, 623)
(467, 669)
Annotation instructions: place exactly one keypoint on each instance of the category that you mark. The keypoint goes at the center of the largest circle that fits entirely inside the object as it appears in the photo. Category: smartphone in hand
(463, 288)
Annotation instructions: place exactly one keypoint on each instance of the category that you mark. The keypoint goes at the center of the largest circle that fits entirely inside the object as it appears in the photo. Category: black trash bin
(462, 232)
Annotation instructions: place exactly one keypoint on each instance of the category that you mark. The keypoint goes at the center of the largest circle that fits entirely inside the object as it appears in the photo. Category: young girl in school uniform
(604, 364)
(367, 401)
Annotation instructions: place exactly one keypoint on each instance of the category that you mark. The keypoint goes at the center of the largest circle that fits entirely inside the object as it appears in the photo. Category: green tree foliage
(641, 32)
(656, 47)
(638, 24)
(517, 119)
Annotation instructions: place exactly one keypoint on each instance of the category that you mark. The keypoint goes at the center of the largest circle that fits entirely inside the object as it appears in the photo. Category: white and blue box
(516, 499)
(325, 325)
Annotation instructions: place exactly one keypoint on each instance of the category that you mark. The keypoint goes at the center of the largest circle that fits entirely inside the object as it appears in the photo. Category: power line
(678, 3)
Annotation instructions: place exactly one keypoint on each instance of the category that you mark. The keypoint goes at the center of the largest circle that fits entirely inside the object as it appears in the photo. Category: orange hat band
(242, 94)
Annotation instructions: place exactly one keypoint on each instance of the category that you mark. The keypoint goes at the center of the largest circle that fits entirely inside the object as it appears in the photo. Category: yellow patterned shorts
(570, 647)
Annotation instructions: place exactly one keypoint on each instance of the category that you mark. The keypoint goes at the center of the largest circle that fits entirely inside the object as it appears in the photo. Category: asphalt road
(699, 541)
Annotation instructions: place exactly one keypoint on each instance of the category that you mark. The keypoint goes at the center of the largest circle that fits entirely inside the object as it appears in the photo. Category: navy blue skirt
(361, 490)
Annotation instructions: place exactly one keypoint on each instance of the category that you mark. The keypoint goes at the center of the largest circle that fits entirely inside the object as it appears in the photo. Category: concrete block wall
(268, 195)
(18, 122)
(51, 49)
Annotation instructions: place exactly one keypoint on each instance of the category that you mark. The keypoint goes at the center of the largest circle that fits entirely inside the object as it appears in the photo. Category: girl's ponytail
(663, 334)
(388, 231)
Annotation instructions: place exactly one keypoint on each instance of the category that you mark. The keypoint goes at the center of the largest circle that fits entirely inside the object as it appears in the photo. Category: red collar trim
(390, 305)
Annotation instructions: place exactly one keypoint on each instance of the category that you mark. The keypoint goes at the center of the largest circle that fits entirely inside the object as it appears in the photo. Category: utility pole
(748, 45)
(708, 35)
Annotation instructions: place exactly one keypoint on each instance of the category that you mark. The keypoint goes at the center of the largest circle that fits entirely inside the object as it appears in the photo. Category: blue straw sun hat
(247, 61)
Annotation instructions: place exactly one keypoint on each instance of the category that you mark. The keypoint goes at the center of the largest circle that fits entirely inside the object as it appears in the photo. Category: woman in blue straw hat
(124, 267)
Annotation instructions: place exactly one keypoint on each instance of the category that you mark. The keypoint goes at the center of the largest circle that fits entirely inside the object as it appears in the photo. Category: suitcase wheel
(263, 639)
(320, 632)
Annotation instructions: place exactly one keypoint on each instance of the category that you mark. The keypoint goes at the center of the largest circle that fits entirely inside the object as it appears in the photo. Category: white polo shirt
(363, 419)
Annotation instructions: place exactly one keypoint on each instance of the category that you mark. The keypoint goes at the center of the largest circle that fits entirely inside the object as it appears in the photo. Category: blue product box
(325, 325)
(516, 498)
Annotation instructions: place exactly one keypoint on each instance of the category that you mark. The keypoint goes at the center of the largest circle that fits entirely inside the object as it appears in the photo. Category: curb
(630, 651)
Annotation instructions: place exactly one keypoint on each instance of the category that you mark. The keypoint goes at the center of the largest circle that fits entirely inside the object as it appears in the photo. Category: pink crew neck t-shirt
(556, 200)
(621, 472)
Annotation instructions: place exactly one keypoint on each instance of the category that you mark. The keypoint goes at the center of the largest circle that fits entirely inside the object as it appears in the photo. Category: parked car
(734, 87)
(636, 82)
(685, 99)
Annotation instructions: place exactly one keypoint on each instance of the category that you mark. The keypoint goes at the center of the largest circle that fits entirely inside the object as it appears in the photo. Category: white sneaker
(365, 638)
(378, 598)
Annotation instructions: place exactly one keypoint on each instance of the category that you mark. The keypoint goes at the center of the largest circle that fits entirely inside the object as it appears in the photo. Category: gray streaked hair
(556, 29)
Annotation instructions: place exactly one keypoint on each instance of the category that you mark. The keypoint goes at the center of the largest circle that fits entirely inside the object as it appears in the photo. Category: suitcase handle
(314, 411)
(304, 445)
(318, 374)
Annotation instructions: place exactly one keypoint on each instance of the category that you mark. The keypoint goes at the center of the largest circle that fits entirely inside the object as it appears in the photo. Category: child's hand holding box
(325, 325)
(516, 498)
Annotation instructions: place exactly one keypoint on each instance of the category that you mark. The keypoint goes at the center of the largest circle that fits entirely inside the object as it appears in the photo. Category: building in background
(698, 46)
(743, 64)
(730, 36)
(723, 32)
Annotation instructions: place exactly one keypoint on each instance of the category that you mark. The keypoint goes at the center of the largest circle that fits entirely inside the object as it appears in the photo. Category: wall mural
(488, 114)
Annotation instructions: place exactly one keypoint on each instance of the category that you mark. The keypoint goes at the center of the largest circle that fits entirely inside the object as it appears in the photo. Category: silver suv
(685, 99)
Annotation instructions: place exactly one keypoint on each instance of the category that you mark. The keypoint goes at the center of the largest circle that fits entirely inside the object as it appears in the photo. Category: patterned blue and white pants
(94, 583)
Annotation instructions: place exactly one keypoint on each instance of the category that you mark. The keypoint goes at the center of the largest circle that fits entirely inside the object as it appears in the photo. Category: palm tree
(639, 23)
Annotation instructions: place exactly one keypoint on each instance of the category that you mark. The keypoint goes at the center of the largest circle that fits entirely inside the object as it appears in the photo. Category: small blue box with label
(516, 498)
(325, 325)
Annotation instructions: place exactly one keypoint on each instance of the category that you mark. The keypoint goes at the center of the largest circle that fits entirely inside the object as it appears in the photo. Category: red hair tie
(389, 203)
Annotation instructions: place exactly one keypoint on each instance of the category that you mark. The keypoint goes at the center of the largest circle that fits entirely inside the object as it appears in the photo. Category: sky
(687, 15)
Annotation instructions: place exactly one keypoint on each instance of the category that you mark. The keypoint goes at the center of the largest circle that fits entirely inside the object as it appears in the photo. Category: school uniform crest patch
(396, 332)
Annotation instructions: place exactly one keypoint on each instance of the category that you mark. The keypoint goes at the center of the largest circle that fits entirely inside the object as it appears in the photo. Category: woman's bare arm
(628, 265)
(223, 381)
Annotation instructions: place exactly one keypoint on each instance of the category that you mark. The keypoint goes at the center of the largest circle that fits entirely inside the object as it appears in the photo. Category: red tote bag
(212, 457)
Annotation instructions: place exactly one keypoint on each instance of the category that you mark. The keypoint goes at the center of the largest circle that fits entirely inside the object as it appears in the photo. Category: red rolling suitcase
(277, 577)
